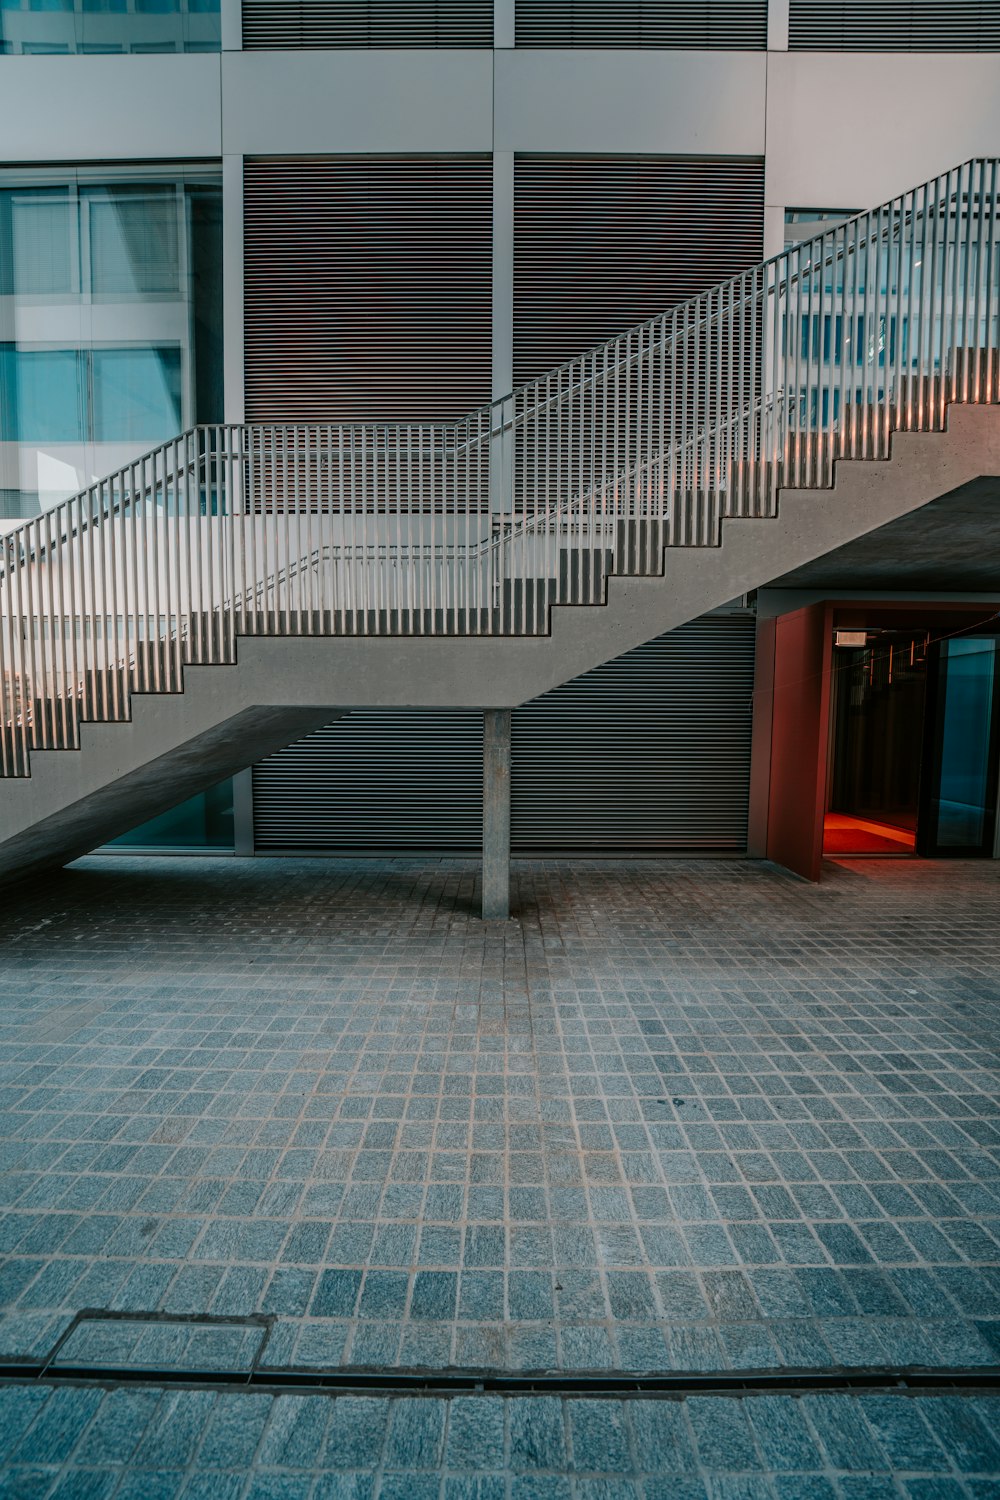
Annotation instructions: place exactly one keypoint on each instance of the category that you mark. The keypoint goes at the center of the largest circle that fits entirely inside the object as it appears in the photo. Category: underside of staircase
(280, 687)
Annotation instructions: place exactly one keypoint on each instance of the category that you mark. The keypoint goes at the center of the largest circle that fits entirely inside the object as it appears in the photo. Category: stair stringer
(280, 688)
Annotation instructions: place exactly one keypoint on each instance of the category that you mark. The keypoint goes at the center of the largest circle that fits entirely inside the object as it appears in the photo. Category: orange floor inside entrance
(846, 834)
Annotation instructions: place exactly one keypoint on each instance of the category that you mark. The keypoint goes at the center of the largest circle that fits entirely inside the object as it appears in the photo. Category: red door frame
(791, 731)
(800, 734)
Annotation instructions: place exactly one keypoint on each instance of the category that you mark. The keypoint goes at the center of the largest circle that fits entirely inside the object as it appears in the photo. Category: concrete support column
(496, 814)
(243, 812)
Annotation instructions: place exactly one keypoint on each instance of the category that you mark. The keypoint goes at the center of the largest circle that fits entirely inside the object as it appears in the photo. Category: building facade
(361, 210)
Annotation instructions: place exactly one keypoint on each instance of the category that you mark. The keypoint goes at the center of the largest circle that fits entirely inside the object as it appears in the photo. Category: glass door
(959, 791)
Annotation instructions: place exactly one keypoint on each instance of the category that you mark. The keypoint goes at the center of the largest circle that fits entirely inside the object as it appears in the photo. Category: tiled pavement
(148, 1444)
(677, 1116)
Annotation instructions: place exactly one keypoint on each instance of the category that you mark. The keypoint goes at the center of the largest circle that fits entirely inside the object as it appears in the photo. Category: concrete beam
(496, 814)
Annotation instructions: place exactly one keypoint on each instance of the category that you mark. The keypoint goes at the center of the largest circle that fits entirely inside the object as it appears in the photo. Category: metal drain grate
(203, 1350)
(159, 1346)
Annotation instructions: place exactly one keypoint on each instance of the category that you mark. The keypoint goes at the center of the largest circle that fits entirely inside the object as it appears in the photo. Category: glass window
(44, 395)
(962, 806)
(133, 242)
(41, 244)
(61, 26)
(203, 822)
(111, 287)
(137, 395)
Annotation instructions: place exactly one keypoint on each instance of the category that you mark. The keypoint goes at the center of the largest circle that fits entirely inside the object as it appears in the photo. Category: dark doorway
(878, 701)
(914, 744)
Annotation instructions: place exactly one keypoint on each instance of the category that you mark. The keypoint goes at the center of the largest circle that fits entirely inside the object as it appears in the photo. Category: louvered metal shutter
(647, 754)
(376, 780)
(894, 26)
(602, 242)
(367, 287)
(737, 24)
(284, 24)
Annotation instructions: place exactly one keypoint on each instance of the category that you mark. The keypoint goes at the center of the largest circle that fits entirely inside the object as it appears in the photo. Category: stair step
(583, 574)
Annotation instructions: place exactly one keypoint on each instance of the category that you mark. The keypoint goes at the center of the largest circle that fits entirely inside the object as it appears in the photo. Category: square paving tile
(676, 1115)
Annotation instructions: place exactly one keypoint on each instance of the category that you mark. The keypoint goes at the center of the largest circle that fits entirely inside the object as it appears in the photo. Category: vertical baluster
(347, 533)
(934, 371)
(909, 332)
(796, 328)
(773, 377)
(11, 677)
(869, 336)
(814, 361)
(843, 341)
(438, 522)
(918, 332)
(991, 341)
(21, 629)
(114, 555)
(719, 443)
(72, 603)
(151, 477)
(365, 437)
(756, 358)
(672, 446)
(689, 374)
(974, 270)
(394, 527)
(45, 673)
(956, 342)
(47, 626)
(883, 332)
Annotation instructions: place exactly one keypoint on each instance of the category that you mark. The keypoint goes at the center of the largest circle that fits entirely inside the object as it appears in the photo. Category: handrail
(649, 439)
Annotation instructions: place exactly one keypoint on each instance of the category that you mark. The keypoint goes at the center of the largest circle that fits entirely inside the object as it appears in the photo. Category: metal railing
(479, 527)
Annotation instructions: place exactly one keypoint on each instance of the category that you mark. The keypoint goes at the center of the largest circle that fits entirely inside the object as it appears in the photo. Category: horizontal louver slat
(711, 24)
(367, 288)
(646, 754)
(894, 26)
(604, 242)
(289, 24)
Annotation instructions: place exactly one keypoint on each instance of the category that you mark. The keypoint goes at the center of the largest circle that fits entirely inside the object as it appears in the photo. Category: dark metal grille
(289, 24)
(367, 288)
(604, 242)
(894, 26)
(715, 24)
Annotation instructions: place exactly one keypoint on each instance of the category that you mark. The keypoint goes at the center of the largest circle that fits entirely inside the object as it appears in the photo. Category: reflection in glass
(137, 395)
(110, 322)
(65, 26)
(133, 242)
(44, 396)
(203, 822)
(962, 809)
(41, 230)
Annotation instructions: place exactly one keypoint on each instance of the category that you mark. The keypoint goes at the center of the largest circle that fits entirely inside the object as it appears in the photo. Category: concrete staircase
(281, 687)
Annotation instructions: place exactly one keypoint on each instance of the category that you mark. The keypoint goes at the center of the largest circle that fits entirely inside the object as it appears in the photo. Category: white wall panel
(703, 103)
(852, 129)
(109, 108)
(304, 102)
